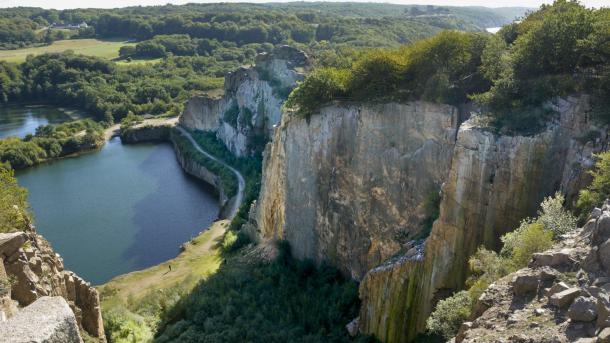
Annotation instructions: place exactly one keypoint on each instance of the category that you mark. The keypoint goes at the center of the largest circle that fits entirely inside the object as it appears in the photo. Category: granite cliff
(350, 187)
(30, 270)
(250, 108)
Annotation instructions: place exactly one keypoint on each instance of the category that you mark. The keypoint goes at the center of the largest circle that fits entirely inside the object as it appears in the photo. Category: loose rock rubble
(563, 295)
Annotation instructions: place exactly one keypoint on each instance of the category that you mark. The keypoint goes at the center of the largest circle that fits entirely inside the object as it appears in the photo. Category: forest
(197, 45)
(559, 50)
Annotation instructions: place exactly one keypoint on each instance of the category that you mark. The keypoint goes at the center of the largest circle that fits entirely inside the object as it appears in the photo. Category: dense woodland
(251, 23)
(561, 49)
(198, 45)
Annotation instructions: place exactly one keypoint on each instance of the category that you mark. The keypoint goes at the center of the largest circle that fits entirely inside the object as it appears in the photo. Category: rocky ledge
(48, 320)
(30, 270)
(563, 295)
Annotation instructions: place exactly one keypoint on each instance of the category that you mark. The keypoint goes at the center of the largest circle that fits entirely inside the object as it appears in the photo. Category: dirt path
(239, 197)
(115, 129)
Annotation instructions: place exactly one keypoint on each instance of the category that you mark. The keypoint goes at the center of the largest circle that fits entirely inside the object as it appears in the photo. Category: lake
(21, 120)
(124, 208)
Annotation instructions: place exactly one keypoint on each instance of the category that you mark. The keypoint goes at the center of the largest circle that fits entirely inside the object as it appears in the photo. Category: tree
(127, 51)
(14, 208)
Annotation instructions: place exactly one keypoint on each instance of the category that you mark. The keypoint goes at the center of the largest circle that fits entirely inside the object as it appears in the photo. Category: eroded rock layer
(30, 269)
(350, 185)
(251, 105)
(494, 182)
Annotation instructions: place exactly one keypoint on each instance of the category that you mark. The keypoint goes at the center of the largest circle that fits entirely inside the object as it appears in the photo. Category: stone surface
(352, 327)
(604, 336)
(11, 242)
(494, 182)
(47, 320)
(525, 284)
(564, 298)
(583, 309)
(256, 93)
(349, 185)
(38, 272)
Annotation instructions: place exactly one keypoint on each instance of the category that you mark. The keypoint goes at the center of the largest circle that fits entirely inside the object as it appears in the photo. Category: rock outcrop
(46, 320)
(30, 270)
(350, 185)
(494, 182)
(569, 300)
(199, 171)
(250, 108)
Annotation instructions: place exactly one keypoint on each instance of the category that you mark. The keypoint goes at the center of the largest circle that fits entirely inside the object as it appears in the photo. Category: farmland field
(92, 47)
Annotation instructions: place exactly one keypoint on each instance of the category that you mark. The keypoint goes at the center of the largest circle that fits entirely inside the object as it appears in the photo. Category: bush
(486, 267)
(319, 88)
(14, 214)
(529, 238)
(449, 314)
(599, 189)
(554, 217)
(122, 326)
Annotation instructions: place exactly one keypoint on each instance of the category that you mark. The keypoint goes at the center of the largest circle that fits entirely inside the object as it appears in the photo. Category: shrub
(599, 189)
(319, 88)
(449, 314)
(529, 238)
(14, 208)
(122, 326)
(486, 267)
(554, 217)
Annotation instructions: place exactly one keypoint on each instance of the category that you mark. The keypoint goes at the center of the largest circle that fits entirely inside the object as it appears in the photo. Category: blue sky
(62, 4)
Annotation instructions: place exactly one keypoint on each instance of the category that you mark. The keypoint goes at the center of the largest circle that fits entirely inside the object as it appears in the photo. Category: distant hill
(480, 16)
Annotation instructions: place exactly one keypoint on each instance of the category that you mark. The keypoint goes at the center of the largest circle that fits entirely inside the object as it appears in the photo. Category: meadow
(108, 49)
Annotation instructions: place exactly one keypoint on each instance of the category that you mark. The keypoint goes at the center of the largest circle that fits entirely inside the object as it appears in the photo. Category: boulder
(604, 336)
(564, 298)
(602, 229)
(595, 213)
(541, 259)
(525, 284)
(48, 320)
(11, 242)
(561, 258)
(558, 287)
(604, 255)
(603, 310)
(583, 309)
(352, 327)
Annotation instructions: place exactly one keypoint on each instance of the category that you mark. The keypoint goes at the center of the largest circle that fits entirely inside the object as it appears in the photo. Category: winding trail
(241, 183)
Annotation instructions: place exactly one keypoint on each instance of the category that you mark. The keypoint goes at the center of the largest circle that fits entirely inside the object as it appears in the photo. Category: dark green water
(122, 209)
(20, 120)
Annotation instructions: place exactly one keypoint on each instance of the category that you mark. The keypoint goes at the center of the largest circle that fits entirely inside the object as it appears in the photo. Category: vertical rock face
(494, 182)
(349, 185)
(33, 270)
(251, 106)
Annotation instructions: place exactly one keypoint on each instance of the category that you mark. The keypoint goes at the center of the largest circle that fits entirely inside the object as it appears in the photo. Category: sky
(63, 4)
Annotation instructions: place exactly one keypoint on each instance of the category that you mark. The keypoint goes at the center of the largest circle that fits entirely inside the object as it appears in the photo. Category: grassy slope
(200, 259)
(93, 47)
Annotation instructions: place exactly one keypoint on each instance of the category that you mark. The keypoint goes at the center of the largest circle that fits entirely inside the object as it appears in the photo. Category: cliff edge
(31, 270)
(250, 108)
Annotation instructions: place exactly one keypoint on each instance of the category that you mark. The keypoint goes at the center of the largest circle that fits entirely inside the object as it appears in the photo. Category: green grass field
(92, 47)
